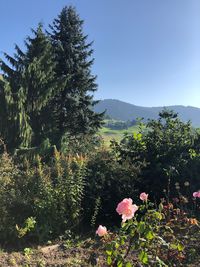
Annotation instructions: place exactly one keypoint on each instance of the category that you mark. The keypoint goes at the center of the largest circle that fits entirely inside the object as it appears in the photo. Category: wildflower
(126, 209)
(196, 194)
(144, 196)
(101, 231)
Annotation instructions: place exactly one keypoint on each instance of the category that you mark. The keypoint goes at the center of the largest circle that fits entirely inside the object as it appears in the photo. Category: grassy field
(117, 135)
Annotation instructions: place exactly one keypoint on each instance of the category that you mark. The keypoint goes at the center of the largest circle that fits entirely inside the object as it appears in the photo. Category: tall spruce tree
(41, 85)
(14, 123)
(74, 105)
(28, 86)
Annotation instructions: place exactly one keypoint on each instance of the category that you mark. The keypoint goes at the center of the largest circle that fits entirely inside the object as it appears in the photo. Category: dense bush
(50, 194)
(9, 197)
(107, 181)
(45, 199)
(171, 151)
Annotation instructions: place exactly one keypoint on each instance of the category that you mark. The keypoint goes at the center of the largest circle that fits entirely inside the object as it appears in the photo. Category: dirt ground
(85, 254)
(57, 255)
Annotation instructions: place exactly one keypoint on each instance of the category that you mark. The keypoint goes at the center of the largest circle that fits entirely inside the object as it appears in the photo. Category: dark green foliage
(165, 145)
(51, 194)
(45, 150)
(73, 105)
(86, 144)
(58, 195)
(9, 177)
(40, 84)
(27, 88)
(61, 192)
(109, 181)
(47, 91)
(14, 123)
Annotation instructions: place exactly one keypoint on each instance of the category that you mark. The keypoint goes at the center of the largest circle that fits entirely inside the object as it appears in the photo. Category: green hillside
(120, 110)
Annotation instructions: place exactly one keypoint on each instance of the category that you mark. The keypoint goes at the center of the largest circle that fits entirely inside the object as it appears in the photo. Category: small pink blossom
(101, 231)
(144, 196)
(126, 209)
(196, 194)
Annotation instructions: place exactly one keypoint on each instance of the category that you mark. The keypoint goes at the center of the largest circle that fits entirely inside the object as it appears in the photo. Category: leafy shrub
(171, 150)
(58, 191)
(107, 181)
(86, 144)
(10, 197)
(49, 193)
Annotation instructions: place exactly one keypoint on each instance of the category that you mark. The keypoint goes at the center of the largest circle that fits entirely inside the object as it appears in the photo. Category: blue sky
(147, 52)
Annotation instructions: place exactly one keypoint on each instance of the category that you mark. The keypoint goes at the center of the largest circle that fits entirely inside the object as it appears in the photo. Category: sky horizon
(146, 52)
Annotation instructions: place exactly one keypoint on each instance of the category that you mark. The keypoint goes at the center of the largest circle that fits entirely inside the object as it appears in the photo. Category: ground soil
(86, 253)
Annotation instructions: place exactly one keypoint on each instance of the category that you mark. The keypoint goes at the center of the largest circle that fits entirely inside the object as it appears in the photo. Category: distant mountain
(120, 110)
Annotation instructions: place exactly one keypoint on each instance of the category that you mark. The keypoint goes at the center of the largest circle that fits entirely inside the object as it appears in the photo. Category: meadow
(108, 134)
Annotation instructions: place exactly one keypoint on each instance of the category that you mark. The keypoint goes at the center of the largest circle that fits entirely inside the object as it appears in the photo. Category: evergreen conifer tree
(28, 86)
(14, 124)
(40, 85)
(74, 104)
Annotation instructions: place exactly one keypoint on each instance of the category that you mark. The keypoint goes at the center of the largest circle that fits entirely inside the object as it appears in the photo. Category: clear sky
(147, 52)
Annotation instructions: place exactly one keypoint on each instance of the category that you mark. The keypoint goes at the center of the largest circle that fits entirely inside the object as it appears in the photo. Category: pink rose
(126, 209)
(196, 194)
(101, 231)
(144, 196)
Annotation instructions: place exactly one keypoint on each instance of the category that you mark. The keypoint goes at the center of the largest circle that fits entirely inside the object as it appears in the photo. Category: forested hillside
(120, 110)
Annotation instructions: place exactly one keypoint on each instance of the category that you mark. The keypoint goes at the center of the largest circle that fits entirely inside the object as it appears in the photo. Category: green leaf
(109, 252)
(149, 235)
(173, 246)
(141, 227)
(122, 242)
(160, 207)
(119, 264)
(117, 245)
(143, 257)
(180, 247)
(109, 260)
(128, 264)
(158, 215)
